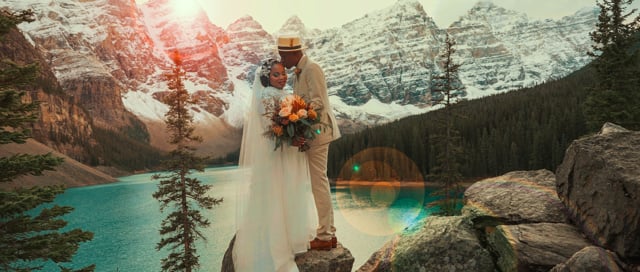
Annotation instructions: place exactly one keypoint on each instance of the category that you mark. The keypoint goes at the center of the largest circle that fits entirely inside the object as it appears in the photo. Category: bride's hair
(266, 70)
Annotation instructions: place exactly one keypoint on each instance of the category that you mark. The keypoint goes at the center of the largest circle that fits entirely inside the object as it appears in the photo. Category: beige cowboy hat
(290, 43)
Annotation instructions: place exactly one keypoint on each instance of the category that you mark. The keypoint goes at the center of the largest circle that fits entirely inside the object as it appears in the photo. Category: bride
(277, 215)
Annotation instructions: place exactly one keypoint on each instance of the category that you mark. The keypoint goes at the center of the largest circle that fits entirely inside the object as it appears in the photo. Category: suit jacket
(311, 85)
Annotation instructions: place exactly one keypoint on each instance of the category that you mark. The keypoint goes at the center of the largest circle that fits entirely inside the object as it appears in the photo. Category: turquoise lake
(125, 218)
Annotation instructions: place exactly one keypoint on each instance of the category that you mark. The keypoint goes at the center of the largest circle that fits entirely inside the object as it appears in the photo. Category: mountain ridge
(375, 75)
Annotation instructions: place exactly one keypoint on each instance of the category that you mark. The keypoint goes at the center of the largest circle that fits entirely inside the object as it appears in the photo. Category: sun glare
(185, 8)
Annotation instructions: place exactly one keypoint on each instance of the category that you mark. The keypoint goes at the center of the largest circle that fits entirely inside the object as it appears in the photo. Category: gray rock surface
(440, 244)
(599, 181)
(591, 258)
(534, 247)
(513, 198)
(336, 260)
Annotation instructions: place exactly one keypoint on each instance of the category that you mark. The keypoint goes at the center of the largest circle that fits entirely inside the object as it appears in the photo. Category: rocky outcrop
(599, 182)
(336, 260)
(592, 258)
(514, 198)
(534, 247)
(589, 223)
(440, 244)
(523, 221)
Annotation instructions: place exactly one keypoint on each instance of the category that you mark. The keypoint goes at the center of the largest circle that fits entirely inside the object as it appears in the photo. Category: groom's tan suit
(310, 83)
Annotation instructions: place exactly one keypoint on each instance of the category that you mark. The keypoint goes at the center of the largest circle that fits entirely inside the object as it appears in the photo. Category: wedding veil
(252, 146)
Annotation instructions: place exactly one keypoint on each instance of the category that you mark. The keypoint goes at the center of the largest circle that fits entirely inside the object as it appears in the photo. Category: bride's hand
(298, 141)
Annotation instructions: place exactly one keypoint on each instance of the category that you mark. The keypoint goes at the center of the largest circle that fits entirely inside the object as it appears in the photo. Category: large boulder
(336, 260)
(514, 198)
(440, 244)
(591, 258)
(534, 247)
(599, 182)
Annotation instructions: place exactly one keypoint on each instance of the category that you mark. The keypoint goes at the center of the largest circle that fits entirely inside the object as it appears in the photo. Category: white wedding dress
(276, 212)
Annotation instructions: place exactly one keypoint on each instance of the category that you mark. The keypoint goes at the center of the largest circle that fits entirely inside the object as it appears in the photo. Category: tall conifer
(181, 194)
(448, 90)
(616, 95)
(28, 239)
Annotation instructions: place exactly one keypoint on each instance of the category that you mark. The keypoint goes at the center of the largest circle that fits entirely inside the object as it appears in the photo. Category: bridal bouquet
(291, 122)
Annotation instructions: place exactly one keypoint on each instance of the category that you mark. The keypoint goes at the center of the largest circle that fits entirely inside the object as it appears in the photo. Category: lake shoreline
(350, 183)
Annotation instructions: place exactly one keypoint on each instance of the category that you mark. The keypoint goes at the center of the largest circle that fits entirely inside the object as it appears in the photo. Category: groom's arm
(317, 86)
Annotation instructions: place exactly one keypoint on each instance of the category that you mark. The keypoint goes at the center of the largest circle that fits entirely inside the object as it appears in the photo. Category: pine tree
(24, 237)
(616, 95)
(177, 190)
(448, 90)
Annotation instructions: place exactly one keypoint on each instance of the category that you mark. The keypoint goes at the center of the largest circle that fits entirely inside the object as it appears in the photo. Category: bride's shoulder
(271, 92)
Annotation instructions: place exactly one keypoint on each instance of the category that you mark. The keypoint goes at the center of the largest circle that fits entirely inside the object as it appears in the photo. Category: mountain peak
(490, 14)
(404, 2)
(244, 23)
(294, 20)
(490, 8)
(294, 25)
(484, 4)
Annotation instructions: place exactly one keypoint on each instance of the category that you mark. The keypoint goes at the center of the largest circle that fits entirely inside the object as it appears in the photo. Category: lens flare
(380, 192)
(185, 8)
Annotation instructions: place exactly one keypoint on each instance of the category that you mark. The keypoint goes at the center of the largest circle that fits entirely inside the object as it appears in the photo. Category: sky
(324, 14)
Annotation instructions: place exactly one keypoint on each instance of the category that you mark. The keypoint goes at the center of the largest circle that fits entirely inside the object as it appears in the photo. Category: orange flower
(312, 114)
(277, 130)
(298, 103)
(293, 117)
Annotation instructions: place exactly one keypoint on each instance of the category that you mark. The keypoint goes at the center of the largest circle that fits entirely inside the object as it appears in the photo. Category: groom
(309, 83)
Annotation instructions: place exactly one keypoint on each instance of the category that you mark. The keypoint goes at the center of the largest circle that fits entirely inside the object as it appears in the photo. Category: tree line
(519, 130)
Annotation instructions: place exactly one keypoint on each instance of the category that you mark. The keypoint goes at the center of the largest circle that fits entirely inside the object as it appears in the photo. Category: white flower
(302, 113)
(285, 111)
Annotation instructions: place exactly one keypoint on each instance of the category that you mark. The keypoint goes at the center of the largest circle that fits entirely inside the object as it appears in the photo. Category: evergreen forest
(526, 129)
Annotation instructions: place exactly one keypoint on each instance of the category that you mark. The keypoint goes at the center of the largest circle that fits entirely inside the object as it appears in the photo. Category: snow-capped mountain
(503, 50)
(87, 44)
(111, 56)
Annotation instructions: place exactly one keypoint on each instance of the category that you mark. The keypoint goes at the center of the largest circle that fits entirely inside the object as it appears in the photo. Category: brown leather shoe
(334, 242)
(318, 244)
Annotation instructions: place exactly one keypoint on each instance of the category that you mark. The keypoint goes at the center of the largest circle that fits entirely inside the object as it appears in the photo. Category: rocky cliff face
(86, 44)
(247, 43)
(62, 124)
(503, 50)
(387, 55)
(194, 38)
